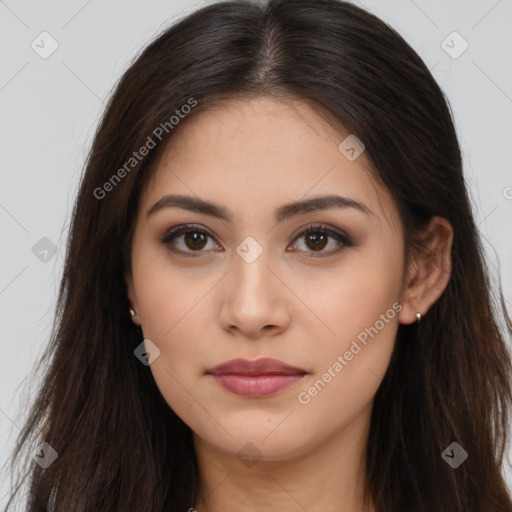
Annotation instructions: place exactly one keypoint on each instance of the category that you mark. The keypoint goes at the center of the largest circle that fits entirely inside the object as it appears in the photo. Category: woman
(274, 295)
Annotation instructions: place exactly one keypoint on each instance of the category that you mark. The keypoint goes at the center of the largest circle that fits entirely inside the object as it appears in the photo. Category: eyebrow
(282, 213)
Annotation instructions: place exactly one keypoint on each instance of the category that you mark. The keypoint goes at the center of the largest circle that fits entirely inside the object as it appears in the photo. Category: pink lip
(259, 378)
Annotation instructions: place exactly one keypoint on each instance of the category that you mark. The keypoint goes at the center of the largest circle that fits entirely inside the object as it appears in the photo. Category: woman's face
(252, 284)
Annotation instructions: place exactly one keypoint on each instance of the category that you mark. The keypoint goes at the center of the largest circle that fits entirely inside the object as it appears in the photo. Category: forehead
(259, 153)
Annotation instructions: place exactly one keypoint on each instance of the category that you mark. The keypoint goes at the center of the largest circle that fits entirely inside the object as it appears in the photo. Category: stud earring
(418, 317)
(132, 312)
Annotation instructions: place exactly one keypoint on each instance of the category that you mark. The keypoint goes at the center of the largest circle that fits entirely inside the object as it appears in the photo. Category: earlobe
(429, 272)
(130, 292)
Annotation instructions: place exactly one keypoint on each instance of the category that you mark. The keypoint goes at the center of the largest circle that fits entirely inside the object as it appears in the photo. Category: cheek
(166, 293)
(361, 313)
(172, 309)
(175, 322)
(185, 339)
(351, 364)
(365, 287)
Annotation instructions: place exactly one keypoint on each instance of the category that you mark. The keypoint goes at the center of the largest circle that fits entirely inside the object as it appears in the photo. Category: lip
(259, 378)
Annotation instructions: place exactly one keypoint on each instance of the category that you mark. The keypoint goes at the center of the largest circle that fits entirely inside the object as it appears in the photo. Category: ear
(132, 298)
(429, 271)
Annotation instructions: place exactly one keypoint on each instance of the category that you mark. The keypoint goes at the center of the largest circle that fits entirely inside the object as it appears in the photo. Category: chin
(251, 443)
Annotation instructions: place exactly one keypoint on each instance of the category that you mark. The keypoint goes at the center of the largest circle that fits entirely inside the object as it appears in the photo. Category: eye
(194, 239)
(316, 238)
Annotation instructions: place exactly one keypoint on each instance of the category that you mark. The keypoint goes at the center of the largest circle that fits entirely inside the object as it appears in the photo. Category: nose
(254, 301)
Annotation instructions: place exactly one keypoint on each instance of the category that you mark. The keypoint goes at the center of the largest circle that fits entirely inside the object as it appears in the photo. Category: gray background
(50, 108)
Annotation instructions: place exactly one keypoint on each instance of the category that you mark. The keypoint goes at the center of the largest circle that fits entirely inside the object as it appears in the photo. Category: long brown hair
(120, 446)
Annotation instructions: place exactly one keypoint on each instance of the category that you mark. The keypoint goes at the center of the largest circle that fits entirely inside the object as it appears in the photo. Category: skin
(252, 156)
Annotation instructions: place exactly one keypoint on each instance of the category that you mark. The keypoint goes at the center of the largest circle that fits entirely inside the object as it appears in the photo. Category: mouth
(256, 379)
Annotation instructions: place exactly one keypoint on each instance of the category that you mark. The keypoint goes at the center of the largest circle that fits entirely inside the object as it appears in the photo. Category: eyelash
(317, 229)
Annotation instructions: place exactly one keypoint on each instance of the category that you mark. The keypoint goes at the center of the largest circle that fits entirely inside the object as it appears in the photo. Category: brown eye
(195, 240)
(317, 238)
(316, 241)
(187, 240)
